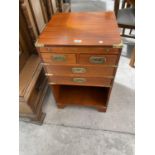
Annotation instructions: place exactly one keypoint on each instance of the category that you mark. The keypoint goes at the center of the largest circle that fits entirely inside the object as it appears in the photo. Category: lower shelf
(81, 95)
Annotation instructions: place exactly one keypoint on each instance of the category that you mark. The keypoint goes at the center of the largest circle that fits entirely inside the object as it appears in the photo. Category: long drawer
(78, 70)
(85, 81)
(98, 59)
(81, 50)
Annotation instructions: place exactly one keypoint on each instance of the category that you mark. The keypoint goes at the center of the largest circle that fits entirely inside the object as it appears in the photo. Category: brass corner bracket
(38, 44)
(120, 45)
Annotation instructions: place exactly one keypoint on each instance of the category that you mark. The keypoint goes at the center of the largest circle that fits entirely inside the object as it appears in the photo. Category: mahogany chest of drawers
(80, 54)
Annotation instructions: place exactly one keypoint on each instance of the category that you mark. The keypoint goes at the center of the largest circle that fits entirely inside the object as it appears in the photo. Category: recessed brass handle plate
(78, 70)
(79, 80)
(107, 49)
(97, 60)
(59, 58)
(48, 49)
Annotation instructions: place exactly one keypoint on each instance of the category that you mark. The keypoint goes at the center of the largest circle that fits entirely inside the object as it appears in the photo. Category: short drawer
(76, 70)
(98, 50)
(54, 58)
(58, 49)
(85, 81)
(98, 59)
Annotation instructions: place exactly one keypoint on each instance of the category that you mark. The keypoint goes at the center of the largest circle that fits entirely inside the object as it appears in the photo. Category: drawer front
(80, 70)
(98, 50)
(58, 49)
(98, 59)
(37, 92)
(89, 50)
(54, 58)
(85, 81)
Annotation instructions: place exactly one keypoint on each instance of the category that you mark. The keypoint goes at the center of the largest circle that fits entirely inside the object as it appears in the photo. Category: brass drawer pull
(97, 60)
(58, 58)
(107, 49)
(48, 49)
(79, 80)
(78, 70)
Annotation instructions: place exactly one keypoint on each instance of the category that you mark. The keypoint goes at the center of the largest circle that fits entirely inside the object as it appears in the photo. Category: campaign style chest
(80, 54)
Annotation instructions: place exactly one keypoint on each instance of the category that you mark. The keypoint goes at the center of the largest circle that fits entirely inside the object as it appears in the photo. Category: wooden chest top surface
(81, 29)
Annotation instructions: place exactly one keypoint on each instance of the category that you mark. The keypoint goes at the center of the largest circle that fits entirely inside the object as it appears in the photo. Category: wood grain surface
(89, 81)
(87, 96)
(89, 50)
(86, 59)
(88, 70)
(81, 29)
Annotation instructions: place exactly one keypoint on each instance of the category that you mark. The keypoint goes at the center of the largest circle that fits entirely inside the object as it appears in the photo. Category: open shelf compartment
(81, 95)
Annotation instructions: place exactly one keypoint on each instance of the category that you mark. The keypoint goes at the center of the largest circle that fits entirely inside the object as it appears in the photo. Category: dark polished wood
(125, 14)
(32, 81)
(80, 57)
(24, 42)
(32, 90)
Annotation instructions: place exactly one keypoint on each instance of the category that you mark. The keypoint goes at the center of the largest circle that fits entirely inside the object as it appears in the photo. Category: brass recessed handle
(58, 58)
(97, 60)
(78, 70)
(48, 49)
(79, 80)
(107, 49)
